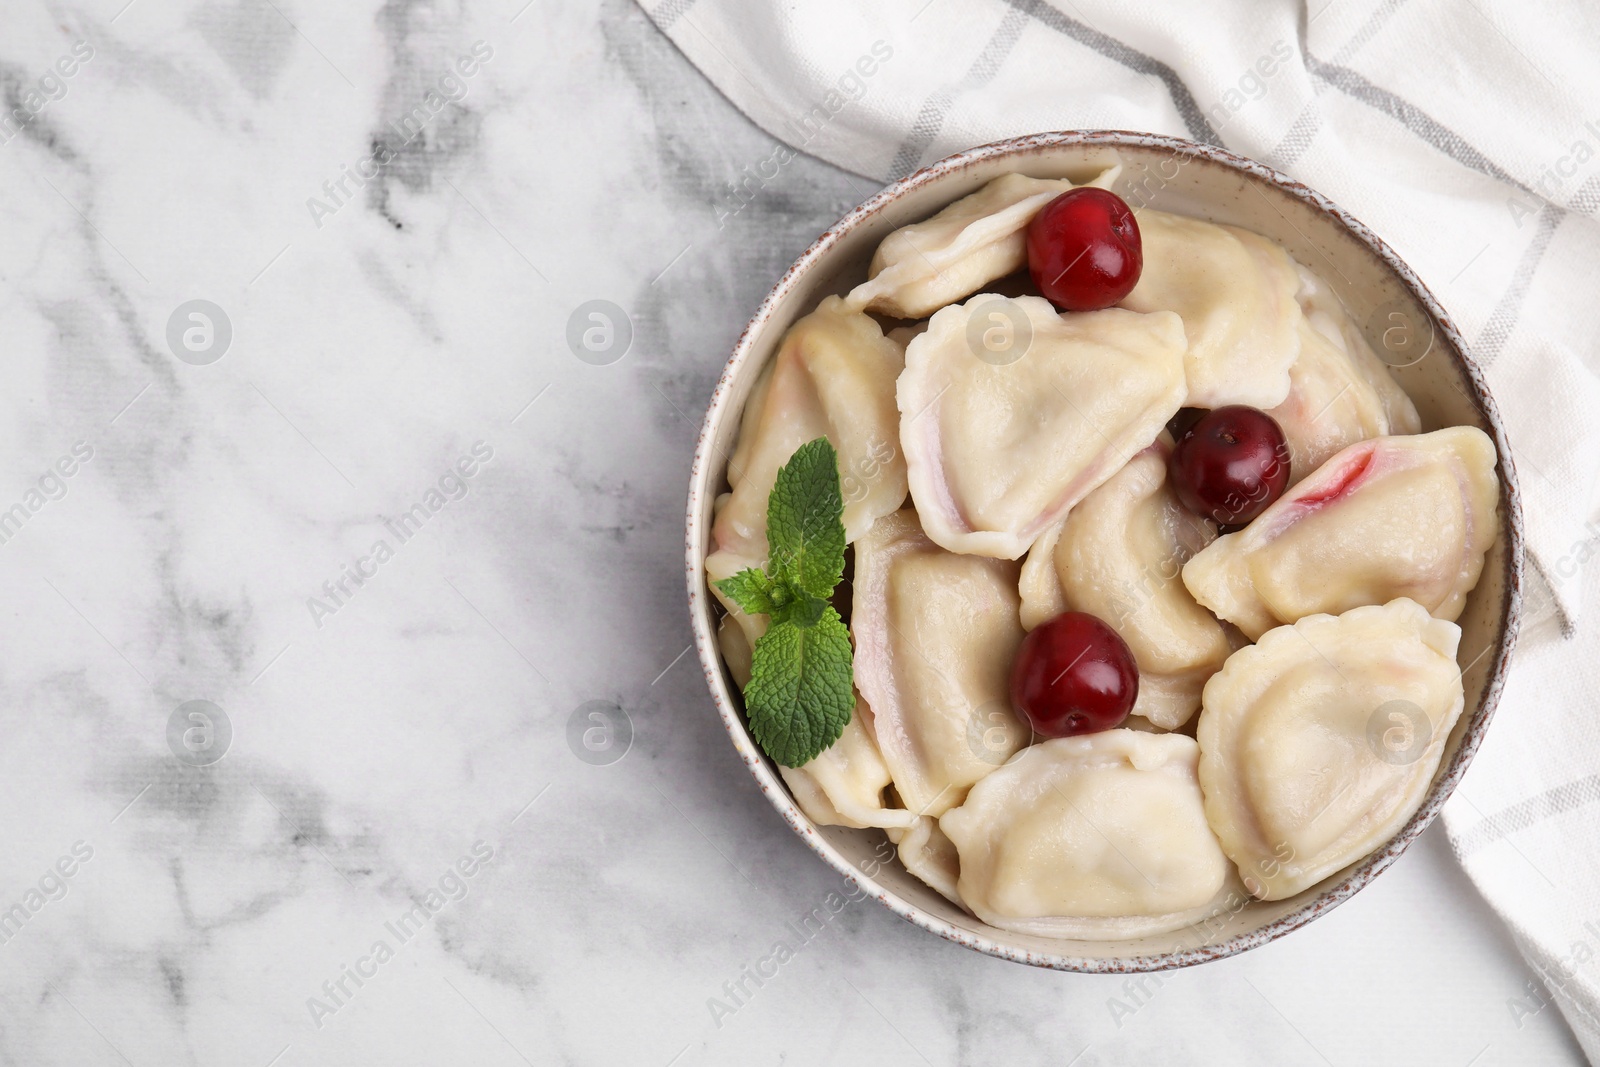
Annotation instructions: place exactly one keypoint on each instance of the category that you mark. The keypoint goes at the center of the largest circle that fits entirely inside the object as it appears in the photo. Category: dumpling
(1099, 837)
(1330, 405)
(1324, 310)
(843, 786)
(1119, 556)
(1235, 291)
(983, 236)
(1042, 595)
(1389, 517)
(1318, 742)
(998, 450)
(1340, 392)
(833, 375)
(734, 641)
(926, 852)
(935, 636)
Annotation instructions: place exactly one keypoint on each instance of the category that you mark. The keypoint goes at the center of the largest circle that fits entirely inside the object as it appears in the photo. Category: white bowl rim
(763, 770)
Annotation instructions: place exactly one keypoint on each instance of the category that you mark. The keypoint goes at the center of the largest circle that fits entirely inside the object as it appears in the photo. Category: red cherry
(1074, 675)
(1084, 250)
(1231, 464)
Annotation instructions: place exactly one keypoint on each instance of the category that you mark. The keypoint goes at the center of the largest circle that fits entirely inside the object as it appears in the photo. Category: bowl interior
(1402, 322)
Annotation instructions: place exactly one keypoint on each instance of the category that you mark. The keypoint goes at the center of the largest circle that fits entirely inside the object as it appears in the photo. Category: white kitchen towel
(1467, 134)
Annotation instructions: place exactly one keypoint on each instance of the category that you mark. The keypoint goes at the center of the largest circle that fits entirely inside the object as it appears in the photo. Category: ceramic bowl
(1405, 325)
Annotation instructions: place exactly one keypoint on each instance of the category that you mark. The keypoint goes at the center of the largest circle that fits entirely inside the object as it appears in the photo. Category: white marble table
(399, 715)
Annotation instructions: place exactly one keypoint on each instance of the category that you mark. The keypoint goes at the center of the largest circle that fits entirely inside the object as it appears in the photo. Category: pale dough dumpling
(1235, 291)
(1318, 742)
(1389, 517)
(1118, 556)
(1099, 837)
(983, 236)
(935, 635)
(999, 448)
(926, 852)
(1040, 588)
(1340, 392)
(734, 637)
(844, 785)
(833, 376)
(1324, 310)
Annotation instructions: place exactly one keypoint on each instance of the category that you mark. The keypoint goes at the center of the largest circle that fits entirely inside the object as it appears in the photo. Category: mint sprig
(799, 698)
(800, 695)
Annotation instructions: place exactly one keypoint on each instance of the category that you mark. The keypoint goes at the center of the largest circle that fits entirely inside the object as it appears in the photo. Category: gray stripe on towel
(1526, 813)
(1368, 31)
(1132, 58)
(932, 114)
(1288, 151)
(669, 11)
(1503, 319)
(1410, 116)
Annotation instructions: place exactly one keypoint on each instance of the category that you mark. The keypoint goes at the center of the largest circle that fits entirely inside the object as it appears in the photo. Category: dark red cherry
(1084, 251)
(1230, 464)
(1074, 675)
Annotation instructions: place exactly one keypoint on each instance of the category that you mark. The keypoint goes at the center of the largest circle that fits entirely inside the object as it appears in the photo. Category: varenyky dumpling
(1235, 291)
(1118, 556)
(1100, 837)
(843, 786)
(1324, 310)
(922, 267)
(1318, 742)
(1389, 517)
(833, 375)
(1340, 392)
(999, 446)
(935, 635)
(926, 852)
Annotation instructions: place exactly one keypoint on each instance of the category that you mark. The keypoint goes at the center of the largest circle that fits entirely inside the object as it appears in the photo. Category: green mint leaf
(801, 691)
(801, 608)
(752, 590)
(800, 694)
(805, 527)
